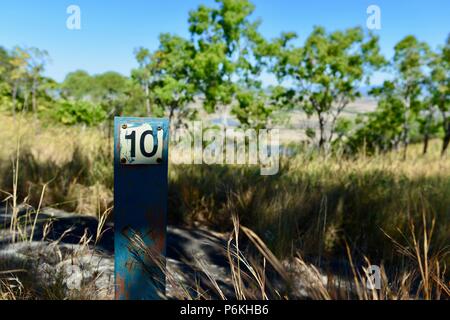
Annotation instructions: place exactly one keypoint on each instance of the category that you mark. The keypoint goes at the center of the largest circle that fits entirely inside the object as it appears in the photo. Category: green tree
(380, 130)
(142, 74)
(5, 75)
(109, 89)
(427, 121)
(77, 85)
(75, 112)
(19, 62)
(253, 108)
(5, 65)
(171, 80)
(439, 88)
(325, 74)
(227, 61)
(409, 68)
(36, 64)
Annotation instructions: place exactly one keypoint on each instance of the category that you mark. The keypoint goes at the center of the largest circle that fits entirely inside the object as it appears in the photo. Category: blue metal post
(140, 206)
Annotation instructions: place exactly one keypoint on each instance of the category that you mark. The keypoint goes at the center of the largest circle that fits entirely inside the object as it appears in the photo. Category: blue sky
(111, 30)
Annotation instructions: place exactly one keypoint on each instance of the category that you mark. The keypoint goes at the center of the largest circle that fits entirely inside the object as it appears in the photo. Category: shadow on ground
(64, 243)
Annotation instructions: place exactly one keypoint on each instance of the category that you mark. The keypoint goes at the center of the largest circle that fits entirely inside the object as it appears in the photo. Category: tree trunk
(426, 137)
(426, 134)
(405, 137)
(446, 140)
(14, 97)
(34, 96)
(322, 138)
(147, 100)
(25, 101)
(405, 143)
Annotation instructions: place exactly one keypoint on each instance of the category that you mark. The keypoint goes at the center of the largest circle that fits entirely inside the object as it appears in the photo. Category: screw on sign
(140, 206)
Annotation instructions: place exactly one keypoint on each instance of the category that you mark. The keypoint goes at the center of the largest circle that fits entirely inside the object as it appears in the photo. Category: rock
(91, 270)
(57, 225)
(192, 257)
(63, 257)
(70, 267)
(56, 257)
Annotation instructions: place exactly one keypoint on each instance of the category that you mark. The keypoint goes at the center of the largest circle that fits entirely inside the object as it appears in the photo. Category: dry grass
(317, 204)
(249, 278)
(74, 164)
(11, 288)
(326, 208)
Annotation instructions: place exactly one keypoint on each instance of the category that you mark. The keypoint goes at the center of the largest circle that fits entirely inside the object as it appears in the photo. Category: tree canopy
(219, 68)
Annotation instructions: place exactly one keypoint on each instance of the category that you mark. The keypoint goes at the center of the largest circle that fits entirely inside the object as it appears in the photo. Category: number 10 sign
(140, 206)
(141, 142)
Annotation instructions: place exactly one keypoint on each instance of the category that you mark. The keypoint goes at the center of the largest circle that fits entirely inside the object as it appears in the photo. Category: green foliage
(141, 76)
(409, 63)
(101, 88)
(22, 84)
(439, 81)
(379, 130)
(166, 76)
(342, 130)
(406, 105)
(108, 86)
(220, 66)
(171, 73)
(252, 109)
(77, 85)
(326, 72)
(227, 59)
(110, 90)
(438, 85)
(79, 112)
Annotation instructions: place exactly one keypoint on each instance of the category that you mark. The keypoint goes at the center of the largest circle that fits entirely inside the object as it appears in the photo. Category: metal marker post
(140, 206)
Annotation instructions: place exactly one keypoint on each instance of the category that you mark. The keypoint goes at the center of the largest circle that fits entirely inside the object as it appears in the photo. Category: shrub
(75, 112)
